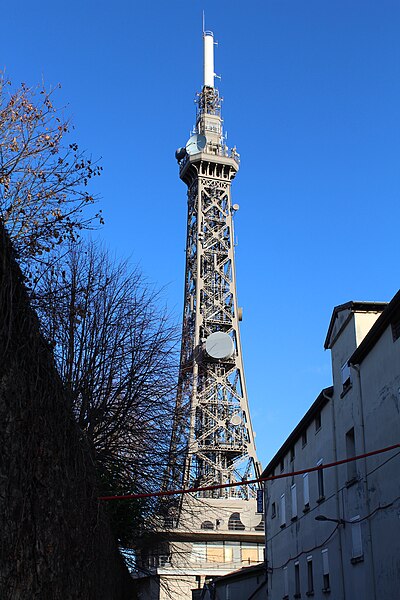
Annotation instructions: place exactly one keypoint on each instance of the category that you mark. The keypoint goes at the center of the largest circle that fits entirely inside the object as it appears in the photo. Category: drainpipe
(363, 451)
(338, 510)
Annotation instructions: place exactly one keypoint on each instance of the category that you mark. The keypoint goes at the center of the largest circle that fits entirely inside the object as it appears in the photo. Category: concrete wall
(301, 537)
(378, 386)
(361, 549)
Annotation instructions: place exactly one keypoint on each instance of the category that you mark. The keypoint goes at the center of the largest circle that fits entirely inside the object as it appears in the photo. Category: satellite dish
(180, 153)
(235, 207)
(219, 345)
(236, 419)
(196, 143)
(250, 518)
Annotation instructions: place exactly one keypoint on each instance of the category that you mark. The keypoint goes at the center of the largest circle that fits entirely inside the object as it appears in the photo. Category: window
(283, 511)
(310, 577)
(292, 453)
(228, 553)
(234, 552)
(350, 453)
(304, 438)
(321, 490)
(318, 421)
(235, 523)
(285, 583)
(227, 592)
(215, 552)
(396, 329)
(261, 552)
(325, 571)
(356, 540)
(297, 593)
(207, 525)
(294, 501)
(282, 465)
(249, 553)
(199, 552)
(306, 492)
(273, 510)
(346, 380)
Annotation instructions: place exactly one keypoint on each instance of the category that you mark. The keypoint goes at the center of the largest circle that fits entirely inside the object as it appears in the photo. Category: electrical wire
(248, 481)
(306, 551)
(364, 479)
(324, 543)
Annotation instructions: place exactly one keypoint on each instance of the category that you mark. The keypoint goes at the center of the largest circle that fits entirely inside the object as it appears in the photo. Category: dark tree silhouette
(115, 351)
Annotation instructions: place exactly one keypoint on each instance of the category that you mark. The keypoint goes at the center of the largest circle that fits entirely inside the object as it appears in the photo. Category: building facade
(335, 532)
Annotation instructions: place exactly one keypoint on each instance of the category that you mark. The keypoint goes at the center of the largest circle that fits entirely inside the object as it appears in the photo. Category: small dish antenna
(236, 419)
(196, 143)
(219, 345)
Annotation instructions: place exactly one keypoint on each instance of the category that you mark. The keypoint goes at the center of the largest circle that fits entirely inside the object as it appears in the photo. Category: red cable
(248, 481)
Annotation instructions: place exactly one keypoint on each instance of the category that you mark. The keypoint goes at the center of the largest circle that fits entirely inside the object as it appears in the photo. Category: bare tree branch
(115, 350)
(43, 177)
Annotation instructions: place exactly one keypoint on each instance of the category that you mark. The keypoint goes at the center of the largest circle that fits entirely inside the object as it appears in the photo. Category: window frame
(293, 497)
(306, 492)
(351, 453)
(357, 551)
(318, 421)
(320, 481)
(282, 506)
(325, 571)
(297, 585)
(285, 583)
(304, 438)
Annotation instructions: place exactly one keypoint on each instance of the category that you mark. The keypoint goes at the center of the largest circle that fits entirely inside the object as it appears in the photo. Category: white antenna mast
(208, 40)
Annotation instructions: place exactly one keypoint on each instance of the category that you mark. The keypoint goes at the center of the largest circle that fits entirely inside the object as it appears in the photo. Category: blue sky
(311, 100)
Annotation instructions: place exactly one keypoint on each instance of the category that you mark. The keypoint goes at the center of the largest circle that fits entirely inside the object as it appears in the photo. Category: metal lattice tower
(213, 439)
(207, 533)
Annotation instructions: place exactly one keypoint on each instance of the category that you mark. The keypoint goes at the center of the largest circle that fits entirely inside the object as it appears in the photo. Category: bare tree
(115, 350)
(43, 177)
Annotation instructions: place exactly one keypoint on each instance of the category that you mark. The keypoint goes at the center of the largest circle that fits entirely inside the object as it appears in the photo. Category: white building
(335, 533)
(215, 538)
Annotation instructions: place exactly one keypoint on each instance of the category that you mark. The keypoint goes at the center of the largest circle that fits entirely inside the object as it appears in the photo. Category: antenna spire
(208, 41)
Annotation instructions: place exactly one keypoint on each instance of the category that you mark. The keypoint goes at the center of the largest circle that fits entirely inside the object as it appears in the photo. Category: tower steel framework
(208, 533)
(213, 439)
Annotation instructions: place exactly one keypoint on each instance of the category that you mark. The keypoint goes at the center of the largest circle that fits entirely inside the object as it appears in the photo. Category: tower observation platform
(208, 532)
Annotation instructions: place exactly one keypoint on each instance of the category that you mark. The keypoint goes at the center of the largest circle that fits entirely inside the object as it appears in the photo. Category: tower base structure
(212, 538)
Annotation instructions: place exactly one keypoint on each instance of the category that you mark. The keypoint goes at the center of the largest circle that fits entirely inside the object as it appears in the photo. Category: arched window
(235, 523)
(207, 525)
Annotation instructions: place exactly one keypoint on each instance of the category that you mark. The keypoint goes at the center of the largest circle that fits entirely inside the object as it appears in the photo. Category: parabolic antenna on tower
(219, 345)
(196, 143)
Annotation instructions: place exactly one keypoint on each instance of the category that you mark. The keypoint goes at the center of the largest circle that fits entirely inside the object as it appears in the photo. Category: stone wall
(55, 540)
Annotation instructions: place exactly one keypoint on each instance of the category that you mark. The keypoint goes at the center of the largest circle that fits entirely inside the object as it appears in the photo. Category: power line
(249, 481)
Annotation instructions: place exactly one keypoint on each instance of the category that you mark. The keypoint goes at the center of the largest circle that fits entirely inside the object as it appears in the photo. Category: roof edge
(376, 330)
(324, 396)
(354, 306)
